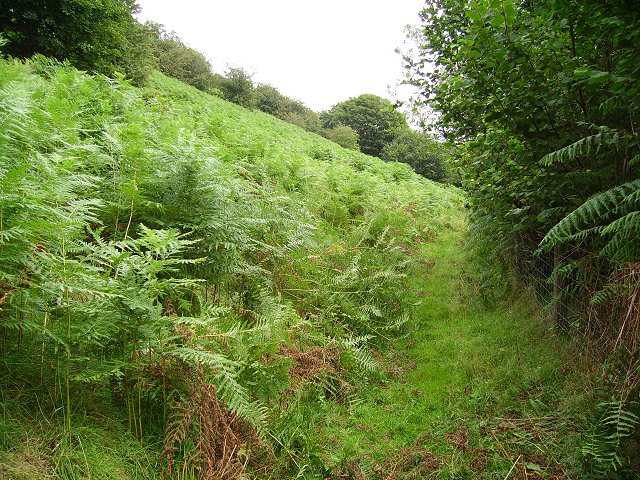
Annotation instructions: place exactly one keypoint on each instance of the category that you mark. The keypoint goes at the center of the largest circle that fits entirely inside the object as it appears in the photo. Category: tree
(269, 100)
(426, 156)
(139, 56)
(177, 60)
(517, 81)
(237, 87)
(344, 136)
(374, 119)
(307, 119)
(92, 35)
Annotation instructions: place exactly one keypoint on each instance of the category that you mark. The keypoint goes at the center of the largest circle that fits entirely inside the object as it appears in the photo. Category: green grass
(108, 194)
(470, 392)
(311, 249)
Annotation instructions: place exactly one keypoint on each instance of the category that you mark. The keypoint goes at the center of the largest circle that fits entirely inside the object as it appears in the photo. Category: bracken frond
(611, 213)
(588, 145)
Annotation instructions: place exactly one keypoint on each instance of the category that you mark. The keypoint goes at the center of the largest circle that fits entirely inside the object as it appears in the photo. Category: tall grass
(167, 257)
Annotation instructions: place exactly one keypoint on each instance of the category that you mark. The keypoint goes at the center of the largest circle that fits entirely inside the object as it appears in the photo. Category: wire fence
(552, 285)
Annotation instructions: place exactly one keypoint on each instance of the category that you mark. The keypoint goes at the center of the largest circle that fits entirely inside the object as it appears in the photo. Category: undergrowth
(191, 290)
(479, 389)
(186, 287)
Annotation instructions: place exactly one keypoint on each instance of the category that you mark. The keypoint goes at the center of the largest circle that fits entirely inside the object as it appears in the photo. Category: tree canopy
(177, 60)
(426, 156)
(93, 36)
(374, 119)
(344, 136)
(516, 82)
(237, 87)
(269, 100)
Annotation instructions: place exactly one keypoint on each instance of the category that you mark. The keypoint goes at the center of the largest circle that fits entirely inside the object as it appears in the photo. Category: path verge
(473, 391)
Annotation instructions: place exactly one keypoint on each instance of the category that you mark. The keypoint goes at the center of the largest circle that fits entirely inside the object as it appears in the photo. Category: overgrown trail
(472, 392)
(169, 244)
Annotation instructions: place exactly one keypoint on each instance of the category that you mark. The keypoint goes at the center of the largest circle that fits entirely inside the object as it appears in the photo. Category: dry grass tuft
(218, 436)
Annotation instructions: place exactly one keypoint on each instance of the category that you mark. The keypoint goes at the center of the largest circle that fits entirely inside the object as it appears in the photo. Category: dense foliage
(419, 150)
(206, 282)
(543, 95)
(169, 258)
(177, 60)
(344, 136)
(94, 36)
(374, 119)
(237, 87)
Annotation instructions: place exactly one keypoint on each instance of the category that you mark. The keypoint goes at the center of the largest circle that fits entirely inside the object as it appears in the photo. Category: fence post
(559, 307)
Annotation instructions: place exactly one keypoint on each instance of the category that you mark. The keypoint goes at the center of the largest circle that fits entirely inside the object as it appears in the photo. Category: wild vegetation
(169, 257)
(96, 36)
(194, 289)
(104, 37)
(543, 98)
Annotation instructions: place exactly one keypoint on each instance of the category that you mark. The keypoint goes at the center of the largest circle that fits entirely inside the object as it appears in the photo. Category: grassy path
(473, 392)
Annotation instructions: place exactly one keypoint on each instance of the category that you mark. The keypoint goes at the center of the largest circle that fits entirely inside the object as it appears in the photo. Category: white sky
(319, 52)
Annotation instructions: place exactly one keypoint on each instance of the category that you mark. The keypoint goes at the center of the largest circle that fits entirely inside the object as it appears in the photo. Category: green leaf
(473, 15)
(597, 77)
(582, 72)
(509, 11)
(497, 21)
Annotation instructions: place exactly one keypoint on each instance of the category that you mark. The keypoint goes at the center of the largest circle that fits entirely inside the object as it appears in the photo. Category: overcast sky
(320, 52)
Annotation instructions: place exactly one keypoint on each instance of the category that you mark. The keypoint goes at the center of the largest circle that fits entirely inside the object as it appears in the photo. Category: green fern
(356, 347)
(586, 146)
(603, 448)
(224, 372)
(149, 237)
(612, 214)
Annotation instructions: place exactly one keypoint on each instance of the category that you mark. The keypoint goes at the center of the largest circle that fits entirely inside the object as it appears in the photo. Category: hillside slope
(185, 284)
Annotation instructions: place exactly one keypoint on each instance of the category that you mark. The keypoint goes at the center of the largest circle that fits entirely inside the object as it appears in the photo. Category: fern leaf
(356, 347)
(605, 441)
(593, 213)
(585, 146)
(224, 371)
